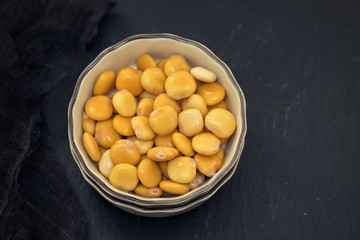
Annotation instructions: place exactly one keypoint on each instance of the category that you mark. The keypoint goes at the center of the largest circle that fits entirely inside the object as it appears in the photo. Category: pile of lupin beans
(157, 128)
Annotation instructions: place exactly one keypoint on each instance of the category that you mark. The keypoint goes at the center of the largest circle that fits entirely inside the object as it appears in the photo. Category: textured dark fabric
(37, 41)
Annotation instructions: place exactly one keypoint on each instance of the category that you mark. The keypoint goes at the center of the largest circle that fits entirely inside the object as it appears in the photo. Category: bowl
(156, 211)
(159, 46)
(159, 212)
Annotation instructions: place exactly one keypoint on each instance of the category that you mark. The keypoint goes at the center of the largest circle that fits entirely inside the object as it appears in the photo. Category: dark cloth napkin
(37, 39)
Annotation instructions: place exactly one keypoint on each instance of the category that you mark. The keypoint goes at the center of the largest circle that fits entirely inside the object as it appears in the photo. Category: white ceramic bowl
(159, 46)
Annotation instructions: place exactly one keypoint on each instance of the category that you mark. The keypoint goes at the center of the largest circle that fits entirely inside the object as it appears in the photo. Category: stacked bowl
(125, 53)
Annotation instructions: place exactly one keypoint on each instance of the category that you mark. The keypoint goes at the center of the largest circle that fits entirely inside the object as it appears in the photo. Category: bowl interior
(159, 46)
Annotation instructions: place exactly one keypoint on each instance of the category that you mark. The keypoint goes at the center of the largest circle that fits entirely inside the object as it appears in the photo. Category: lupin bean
(105, 134)
(123, 125)
(221, 104)
(148, 192)
(163, 100)
(212, 93)
(105, 83)
(124, 103)
(197, 181)
(183, 144)
(176, 63)
(99, 108)
(144, 62)
(105, 164)
(124, 176)
(88, 124)
(143, 145)
(206, 144)
(129, 78)
(191, 122)
(174, 187)
(203, 74)
(181, 111)
(166, 140)
(195, 101)
(163, 120)
(145, 107)
(153, 80)
(221, 122)
(91, 146)
(149, 173)
(182, 169)
(161, 154)
(125, 151)
(141, 127)
(207, 165)
(179, 85)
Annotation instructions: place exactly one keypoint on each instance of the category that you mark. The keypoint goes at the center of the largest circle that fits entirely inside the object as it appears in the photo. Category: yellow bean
(105, 134)
(221, 104)
(163, 120)
(221, 122)
(124, 176)
(166, 140)
(146, 94)
(207, 165)
(180, 85)
(142, 128)
(145, 107)
(129, 78)
(105, 83)
(203, 74)
(153, 80)
(182, 169)
(114, 110)
(148, 192)
(105, 164)
(145, 61)
(172, 98)
(99, 108)
(191, 122)
(161, 154)
(125, 151)
(161, 63)
(88, 124)
(206, 144)
(143, 145)
(124, 103)
(149, 173)
(220, 154)
(223, 140)
(173, 187)
(176, 63)
(195, 101)
(212, 93)
(164, 168)
(163, 100)
(91, 146)
(183, 144)
(197, 181)
(123, 125)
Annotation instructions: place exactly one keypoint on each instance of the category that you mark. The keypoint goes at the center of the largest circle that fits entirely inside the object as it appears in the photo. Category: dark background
(298, 63)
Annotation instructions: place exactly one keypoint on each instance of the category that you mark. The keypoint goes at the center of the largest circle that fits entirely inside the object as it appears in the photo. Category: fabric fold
(36, 200)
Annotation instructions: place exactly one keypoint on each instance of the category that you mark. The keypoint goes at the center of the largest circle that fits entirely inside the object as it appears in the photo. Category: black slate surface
(298, 63)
